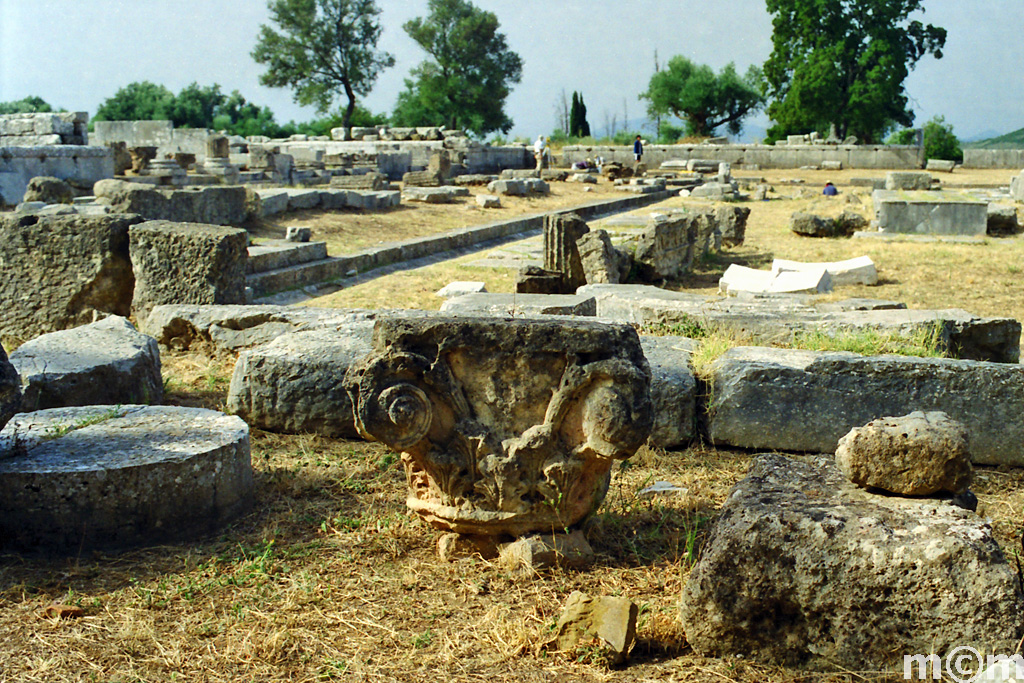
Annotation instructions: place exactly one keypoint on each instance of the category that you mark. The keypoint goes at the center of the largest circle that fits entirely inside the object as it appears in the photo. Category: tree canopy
(138, 101)
(468, 76)
(321, 46)
(26, 105)
(702, 99)
(843, 63)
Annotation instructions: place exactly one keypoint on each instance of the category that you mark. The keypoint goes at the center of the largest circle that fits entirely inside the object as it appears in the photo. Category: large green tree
(138, 101)
(703, 99)
(196, 105)
(468, 76)
(843, 63)
(322, 46)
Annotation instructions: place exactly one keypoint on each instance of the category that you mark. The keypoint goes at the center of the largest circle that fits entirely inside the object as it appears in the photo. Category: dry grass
(330, 578)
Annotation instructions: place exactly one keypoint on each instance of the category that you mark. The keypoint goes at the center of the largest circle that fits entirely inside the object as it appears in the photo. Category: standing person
(638, 149)
(540, 149)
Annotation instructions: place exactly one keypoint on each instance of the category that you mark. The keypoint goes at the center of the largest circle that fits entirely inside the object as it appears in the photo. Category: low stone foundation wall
(764, 156)
(79, 165)
(994, 158)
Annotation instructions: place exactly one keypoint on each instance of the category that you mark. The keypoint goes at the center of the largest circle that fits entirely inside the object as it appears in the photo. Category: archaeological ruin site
(395, 403)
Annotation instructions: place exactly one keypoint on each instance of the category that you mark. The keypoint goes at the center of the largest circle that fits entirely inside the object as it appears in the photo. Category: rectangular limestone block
(930, 213)
(804, 401)
(187, 263)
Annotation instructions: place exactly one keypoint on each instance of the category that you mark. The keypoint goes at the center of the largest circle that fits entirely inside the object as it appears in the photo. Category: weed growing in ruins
(687, 326)
(59, 430)
(925, 342)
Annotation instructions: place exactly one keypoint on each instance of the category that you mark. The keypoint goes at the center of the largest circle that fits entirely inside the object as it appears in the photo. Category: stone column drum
(505, 427)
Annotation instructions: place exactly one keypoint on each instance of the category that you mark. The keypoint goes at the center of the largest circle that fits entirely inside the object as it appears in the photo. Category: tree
(195, 106)
(843, 63)
(323, 45)
(939, 140)
(26, 105)
(465, 82)
(578, 126)
(700, 98)
(138, 101)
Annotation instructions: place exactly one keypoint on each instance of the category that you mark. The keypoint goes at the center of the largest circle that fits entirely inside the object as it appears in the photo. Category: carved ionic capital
(504, 426)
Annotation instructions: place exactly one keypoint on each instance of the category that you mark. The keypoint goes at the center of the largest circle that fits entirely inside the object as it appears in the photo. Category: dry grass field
(330, 578)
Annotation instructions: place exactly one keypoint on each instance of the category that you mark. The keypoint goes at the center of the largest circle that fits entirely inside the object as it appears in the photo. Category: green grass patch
(924, 342)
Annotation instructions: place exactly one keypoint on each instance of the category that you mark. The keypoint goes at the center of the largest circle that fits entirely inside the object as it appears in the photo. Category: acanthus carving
(504, 427)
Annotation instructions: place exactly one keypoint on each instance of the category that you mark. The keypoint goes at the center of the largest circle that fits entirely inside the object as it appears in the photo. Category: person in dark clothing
(830, 190)
(638, 149)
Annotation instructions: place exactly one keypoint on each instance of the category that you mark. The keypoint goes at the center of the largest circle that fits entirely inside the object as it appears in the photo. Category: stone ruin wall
(49, 128)
(764, 156)
(994, 158)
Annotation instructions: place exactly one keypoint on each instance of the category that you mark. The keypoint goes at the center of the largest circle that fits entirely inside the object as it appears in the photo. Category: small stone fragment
(452, 546)
(543, 551)
(609, 620)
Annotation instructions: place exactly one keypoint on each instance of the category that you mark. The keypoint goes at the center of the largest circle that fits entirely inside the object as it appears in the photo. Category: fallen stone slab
(105, 363)
(776, 319)
(434, 195)
(234, 327)
(805, 401)
(798, 552)
(112, 477)
(295, 383)
(273, 201)
(920, 454)
(739, 278)
(940, 165)
(930, 213)
(519, 305)
(211, 204)
(530, 554)
(299, 199)
(507, 187)
(855, 271)
(488, 201)
(453, 289)
(673, 390)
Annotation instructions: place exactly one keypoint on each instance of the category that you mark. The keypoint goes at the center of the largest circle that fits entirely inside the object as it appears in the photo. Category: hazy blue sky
(76, 53)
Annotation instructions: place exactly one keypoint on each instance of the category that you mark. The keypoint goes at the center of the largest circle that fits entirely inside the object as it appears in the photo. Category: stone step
(275, 254)
(805, 401)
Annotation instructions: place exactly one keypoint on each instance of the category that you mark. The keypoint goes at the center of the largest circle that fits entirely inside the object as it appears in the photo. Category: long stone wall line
(764, 156)
(994, 158)
(333, 268)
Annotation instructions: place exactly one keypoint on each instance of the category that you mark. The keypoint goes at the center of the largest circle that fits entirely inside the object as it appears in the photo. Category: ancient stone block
(600, 261)
(908, 180)
(798, 553)
(141, 156)
(739, 278)
(104, 363)
(426, 178)
(10, 391)
(1017, 187)
(941, 165)
(536, 280)
(297, 234)
(673, 390)
(216, 205)
(110, 477)
(536, 552)
(1002, 220)
(428, 195)
(505, 426)
(519, 305)
(560, 252)
(507, 187)
(732, 223)
(855, 271)
(453, 289)
(488, 201)
(62, 271)
(218, 147)
(919, 454)
(805, 401)
(294, 384)
(669, 243)
(48, 190)
(810, 225)
(187, 263)
(440, 163)
(931, 213)
(366, 181)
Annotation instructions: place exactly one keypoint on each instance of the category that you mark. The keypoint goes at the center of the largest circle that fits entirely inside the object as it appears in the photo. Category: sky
(75, 54)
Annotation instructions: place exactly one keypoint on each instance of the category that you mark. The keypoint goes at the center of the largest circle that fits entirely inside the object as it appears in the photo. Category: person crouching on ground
(830, 190)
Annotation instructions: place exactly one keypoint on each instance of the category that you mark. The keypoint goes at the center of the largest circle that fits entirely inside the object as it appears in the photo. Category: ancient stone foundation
(505, 427)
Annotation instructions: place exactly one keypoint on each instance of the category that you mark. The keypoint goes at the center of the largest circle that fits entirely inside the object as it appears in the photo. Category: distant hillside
(1014, 140)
